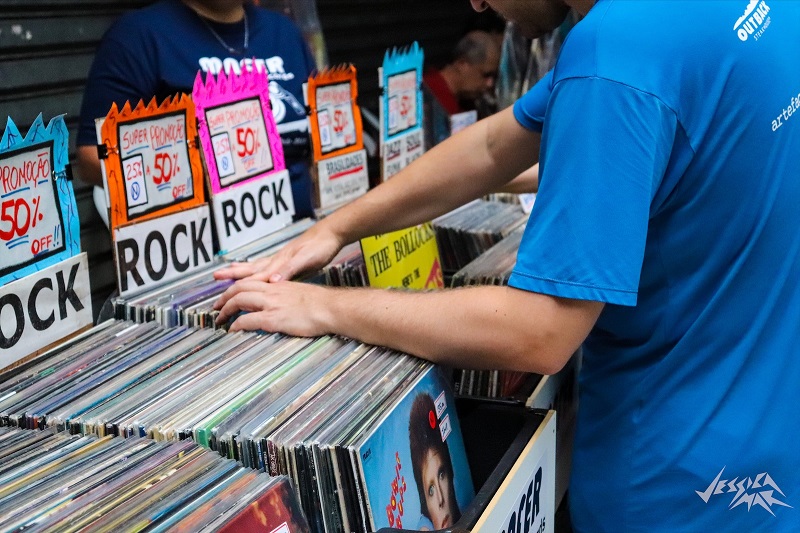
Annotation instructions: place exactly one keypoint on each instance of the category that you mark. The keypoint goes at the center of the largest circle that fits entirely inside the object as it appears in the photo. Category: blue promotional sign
(39, 224)
(401, 102)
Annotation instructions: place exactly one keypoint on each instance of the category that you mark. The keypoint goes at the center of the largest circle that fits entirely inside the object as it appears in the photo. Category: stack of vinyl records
(381, 448)
(492, 383)
(505, 197)
(348, 268)
(60, 482)
(467, 232)
(189, 301)
(493, 267)
(341, 418)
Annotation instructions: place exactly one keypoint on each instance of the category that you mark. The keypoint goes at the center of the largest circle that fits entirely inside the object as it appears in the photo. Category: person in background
(470, 73)
(157, 52)
(663, 241)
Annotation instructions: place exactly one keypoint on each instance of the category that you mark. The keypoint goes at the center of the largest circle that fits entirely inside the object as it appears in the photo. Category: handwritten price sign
(30, 215)
(402, 98)
(335, 117)
(239, 139)
(155, 163)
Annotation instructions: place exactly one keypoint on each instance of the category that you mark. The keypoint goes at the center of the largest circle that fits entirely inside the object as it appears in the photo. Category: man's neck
(218, 11)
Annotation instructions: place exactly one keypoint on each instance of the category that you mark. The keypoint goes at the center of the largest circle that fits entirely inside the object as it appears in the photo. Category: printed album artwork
(414, 463)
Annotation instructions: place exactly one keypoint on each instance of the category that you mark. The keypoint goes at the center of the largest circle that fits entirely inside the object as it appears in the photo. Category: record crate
(505, 440)
(511, 450)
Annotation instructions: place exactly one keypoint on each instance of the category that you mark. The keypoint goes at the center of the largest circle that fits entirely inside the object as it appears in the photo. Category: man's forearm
(477, 327)
(470, 164)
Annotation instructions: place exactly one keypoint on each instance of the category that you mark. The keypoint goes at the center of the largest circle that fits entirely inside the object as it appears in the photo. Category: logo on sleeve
(759, 491)
(755, 21)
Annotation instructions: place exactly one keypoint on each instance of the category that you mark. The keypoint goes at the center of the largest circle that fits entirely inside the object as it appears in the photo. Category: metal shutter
(46, 49)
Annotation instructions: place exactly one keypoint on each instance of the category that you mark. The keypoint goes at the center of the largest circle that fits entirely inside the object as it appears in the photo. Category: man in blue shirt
(157, 52)
(665, 236)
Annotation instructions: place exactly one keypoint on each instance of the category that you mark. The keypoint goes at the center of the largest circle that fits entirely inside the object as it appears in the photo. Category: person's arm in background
(117, 75)
(538, 98)
(527, 182)
(468, 165)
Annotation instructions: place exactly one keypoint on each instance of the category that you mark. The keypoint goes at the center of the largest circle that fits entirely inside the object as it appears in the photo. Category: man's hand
(290, 308)
(307, 253)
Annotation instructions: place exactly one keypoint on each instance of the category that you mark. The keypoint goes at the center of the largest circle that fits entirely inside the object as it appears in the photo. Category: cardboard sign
(400, 108)
(43, 308)
(153, 166)
(250, 188)
(340, 161)
(526, 499)
(253, 209)
(160, 250)
(334, 116)
(400, 152)
(342, 178)
(526, 200)
(407, 258)
(461, 121)
(240, 140)
(39, 224)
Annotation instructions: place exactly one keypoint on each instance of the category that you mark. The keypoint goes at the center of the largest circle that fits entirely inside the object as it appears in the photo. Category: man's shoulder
(647, 46)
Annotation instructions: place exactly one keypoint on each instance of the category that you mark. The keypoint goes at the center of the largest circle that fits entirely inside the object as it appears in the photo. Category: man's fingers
(250, 322)
(245, 285)
(235, 271)
(248, 301)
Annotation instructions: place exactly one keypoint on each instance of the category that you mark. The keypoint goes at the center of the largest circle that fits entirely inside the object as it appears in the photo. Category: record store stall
(193, 427)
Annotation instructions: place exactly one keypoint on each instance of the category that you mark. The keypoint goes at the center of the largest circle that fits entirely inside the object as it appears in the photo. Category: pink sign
(240, 140)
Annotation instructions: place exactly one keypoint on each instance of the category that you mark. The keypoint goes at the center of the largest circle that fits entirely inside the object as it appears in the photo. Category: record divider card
(160, 222)
(339, 160)
(402, 139)
(250, 189)
(44, 277)
(407, 258)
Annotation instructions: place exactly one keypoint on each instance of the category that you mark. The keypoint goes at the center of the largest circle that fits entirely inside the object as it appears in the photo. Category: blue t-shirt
(157, 51)
(670, 189)
(531, 115)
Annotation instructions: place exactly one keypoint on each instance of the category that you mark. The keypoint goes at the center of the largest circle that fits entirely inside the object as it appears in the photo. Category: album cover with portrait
(413, 462)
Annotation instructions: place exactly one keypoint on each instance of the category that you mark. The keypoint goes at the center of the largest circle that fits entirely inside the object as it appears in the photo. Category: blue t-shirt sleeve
(530, 109)
(605, 148)
(118, 74)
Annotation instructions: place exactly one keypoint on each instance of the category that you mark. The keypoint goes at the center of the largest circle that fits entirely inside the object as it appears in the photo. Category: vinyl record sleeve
(427, 410)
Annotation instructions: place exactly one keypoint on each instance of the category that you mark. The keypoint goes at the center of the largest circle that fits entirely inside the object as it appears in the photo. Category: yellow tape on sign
(406, 259)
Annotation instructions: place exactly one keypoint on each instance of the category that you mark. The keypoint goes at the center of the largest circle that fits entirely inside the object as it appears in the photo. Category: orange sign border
(110, 134)
(333, 76)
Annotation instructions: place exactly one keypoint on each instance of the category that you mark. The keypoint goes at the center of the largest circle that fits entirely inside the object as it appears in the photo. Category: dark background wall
(47, 46)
